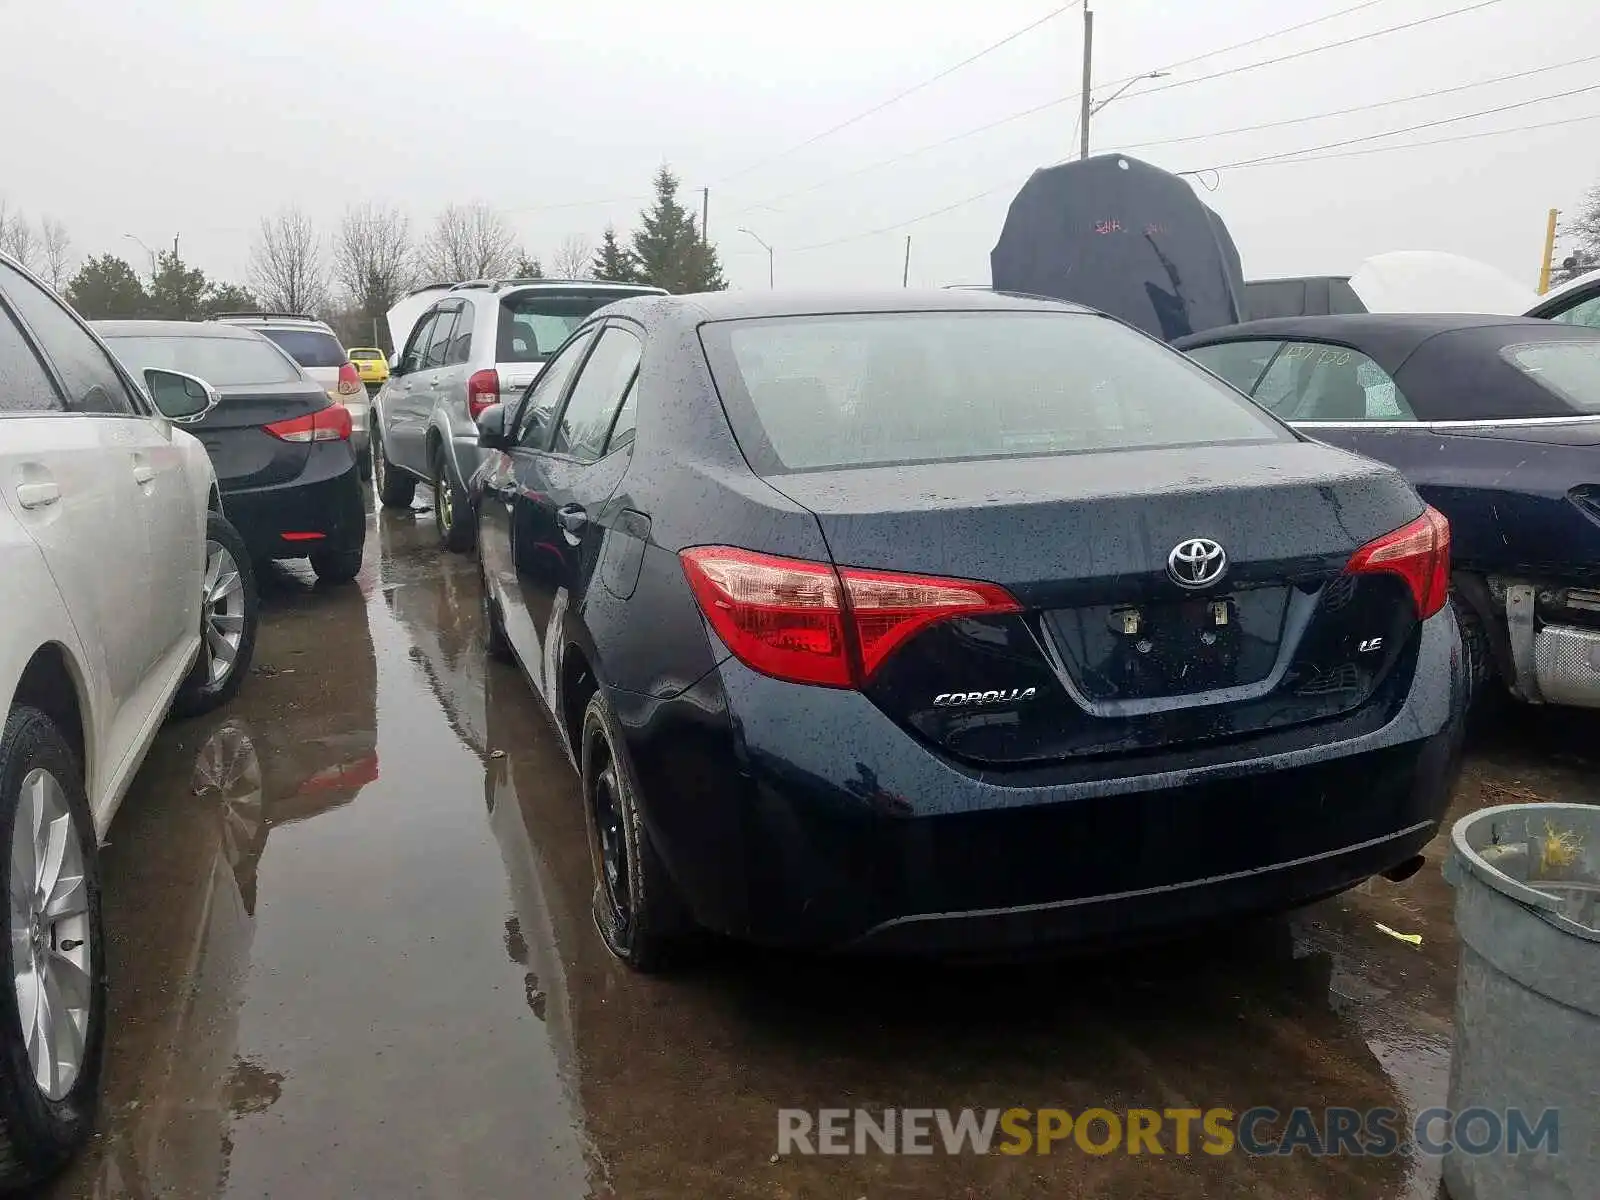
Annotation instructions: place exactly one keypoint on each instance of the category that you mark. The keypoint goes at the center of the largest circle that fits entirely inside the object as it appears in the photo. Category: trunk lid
(1111, 653)
(242, 452)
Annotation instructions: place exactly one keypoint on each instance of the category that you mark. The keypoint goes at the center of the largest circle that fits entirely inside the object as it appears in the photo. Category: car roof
(1385, 337)
(210, 329)
(747, 305)
(1451, 367)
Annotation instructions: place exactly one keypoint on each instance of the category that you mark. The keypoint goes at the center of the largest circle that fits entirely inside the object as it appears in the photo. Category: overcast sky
(173, 116)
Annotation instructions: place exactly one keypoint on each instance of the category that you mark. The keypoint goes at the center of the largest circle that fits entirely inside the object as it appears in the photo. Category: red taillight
(349, 380)
(331, 424)
(483, 389)
(1419, 553)
(809, 623)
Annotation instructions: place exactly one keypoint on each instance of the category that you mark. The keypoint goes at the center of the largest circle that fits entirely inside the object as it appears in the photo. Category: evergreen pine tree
(614, 262)
(668, 247)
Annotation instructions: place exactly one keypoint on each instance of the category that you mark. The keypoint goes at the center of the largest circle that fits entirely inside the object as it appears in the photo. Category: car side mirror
(178, 397)
(394, 364)
(492, 428)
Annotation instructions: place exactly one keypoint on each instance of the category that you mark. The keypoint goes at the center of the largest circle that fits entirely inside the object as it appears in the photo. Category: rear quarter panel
(36, 616)
(1507, 498)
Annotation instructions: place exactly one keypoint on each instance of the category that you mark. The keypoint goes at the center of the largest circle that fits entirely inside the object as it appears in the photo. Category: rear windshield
(1570, 369)
(534, 324)
(223, 362)
(364, 354)
(810, 393)
(309, 347)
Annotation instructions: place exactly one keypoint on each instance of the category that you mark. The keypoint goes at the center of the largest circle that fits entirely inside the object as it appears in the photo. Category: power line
(1343, 112)
(1297, 54)
(1460, 137)
(1373, 137)
(1255, 41)
(899, 96)
(1303, 154)
(1060, 100)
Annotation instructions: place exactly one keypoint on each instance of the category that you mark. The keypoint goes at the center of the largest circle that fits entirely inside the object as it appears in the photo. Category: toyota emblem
(1197, 563)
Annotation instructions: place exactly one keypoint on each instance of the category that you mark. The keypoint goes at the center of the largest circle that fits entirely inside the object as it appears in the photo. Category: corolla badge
(1197, 563)
(993, 696)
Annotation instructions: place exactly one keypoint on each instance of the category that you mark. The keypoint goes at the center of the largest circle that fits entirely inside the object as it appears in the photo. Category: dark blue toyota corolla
(957, 622)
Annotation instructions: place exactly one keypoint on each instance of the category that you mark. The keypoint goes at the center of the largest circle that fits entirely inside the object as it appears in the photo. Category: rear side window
(92, 383)
(309, 347)
(439, 345)
(533, 324)
(223, 362)
(1312, 381)
(25, 386)
(461, 340)
(1240, 363)
(597, 395)
(806, 393)
(1569, 369)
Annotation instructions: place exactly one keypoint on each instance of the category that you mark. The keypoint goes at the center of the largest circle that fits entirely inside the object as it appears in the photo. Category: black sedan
(1496, 420)
(281, 448)
(957, 622)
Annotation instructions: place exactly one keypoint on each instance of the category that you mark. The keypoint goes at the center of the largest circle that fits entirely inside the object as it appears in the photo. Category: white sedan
(125, 594)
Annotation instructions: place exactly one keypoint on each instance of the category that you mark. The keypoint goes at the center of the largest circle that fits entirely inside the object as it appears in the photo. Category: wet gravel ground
(351, 955)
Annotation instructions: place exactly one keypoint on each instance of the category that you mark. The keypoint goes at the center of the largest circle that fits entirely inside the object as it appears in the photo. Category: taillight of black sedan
(957, 622)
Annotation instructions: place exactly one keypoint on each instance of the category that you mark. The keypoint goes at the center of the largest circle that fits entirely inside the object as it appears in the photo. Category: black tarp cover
(1125, 237)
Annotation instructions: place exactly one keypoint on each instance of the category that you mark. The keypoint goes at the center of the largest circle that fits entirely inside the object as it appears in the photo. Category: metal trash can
(1527, 1036)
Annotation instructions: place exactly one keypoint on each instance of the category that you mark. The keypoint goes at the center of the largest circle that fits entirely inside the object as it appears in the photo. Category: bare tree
(468, 242)
(17, 238)
(573, 258)
(372, 257)
(286, 265)
(57, 253)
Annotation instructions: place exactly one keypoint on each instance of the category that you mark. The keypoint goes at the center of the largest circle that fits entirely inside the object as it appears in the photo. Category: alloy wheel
(222, 613)
(378, 468)
(444, 502)
(50, 934)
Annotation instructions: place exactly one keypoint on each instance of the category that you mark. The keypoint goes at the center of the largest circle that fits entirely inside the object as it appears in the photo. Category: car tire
(636, 906)
(229, 615)
(494, 630)
(41, 780)
(395, 488)
(364, 464)
(452, 510)
(1483, 697)
(337, 566)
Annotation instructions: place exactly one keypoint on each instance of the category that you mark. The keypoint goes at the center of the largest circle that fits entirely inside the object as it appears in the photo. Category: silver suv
(474, 344)
(314, 345)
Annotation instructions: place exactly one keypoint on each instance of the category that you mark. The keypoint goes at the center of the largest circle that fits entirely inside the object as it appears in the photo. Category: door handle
(143, 474)
(572, 518)
(37, 495)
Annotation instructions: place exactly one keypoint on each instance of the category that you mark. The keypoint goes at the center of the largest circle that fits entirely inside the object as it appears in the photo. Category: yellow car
(370, 365)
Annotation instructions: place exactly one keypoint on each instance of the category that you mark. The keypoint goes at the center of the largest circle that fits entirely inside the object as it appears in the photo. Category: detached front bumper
(800, 815)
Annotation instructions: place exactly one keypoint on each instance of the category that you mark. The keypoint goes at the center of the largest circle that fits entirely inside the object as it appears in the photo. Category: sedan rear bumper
(325, 499)
(800, 815)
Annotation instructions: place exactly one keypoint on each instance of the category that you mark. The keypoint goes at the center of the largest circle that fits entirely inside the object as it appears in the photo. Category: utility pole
(905, 272)
(705, 215)
(174, 247)
(1549, 252)
(1088, 79)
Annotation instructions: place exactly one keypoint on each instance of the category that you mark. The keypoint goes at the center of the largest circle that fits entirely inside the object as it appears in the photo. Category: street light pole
(147, 250)
(762, 240)
(1090, 109)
